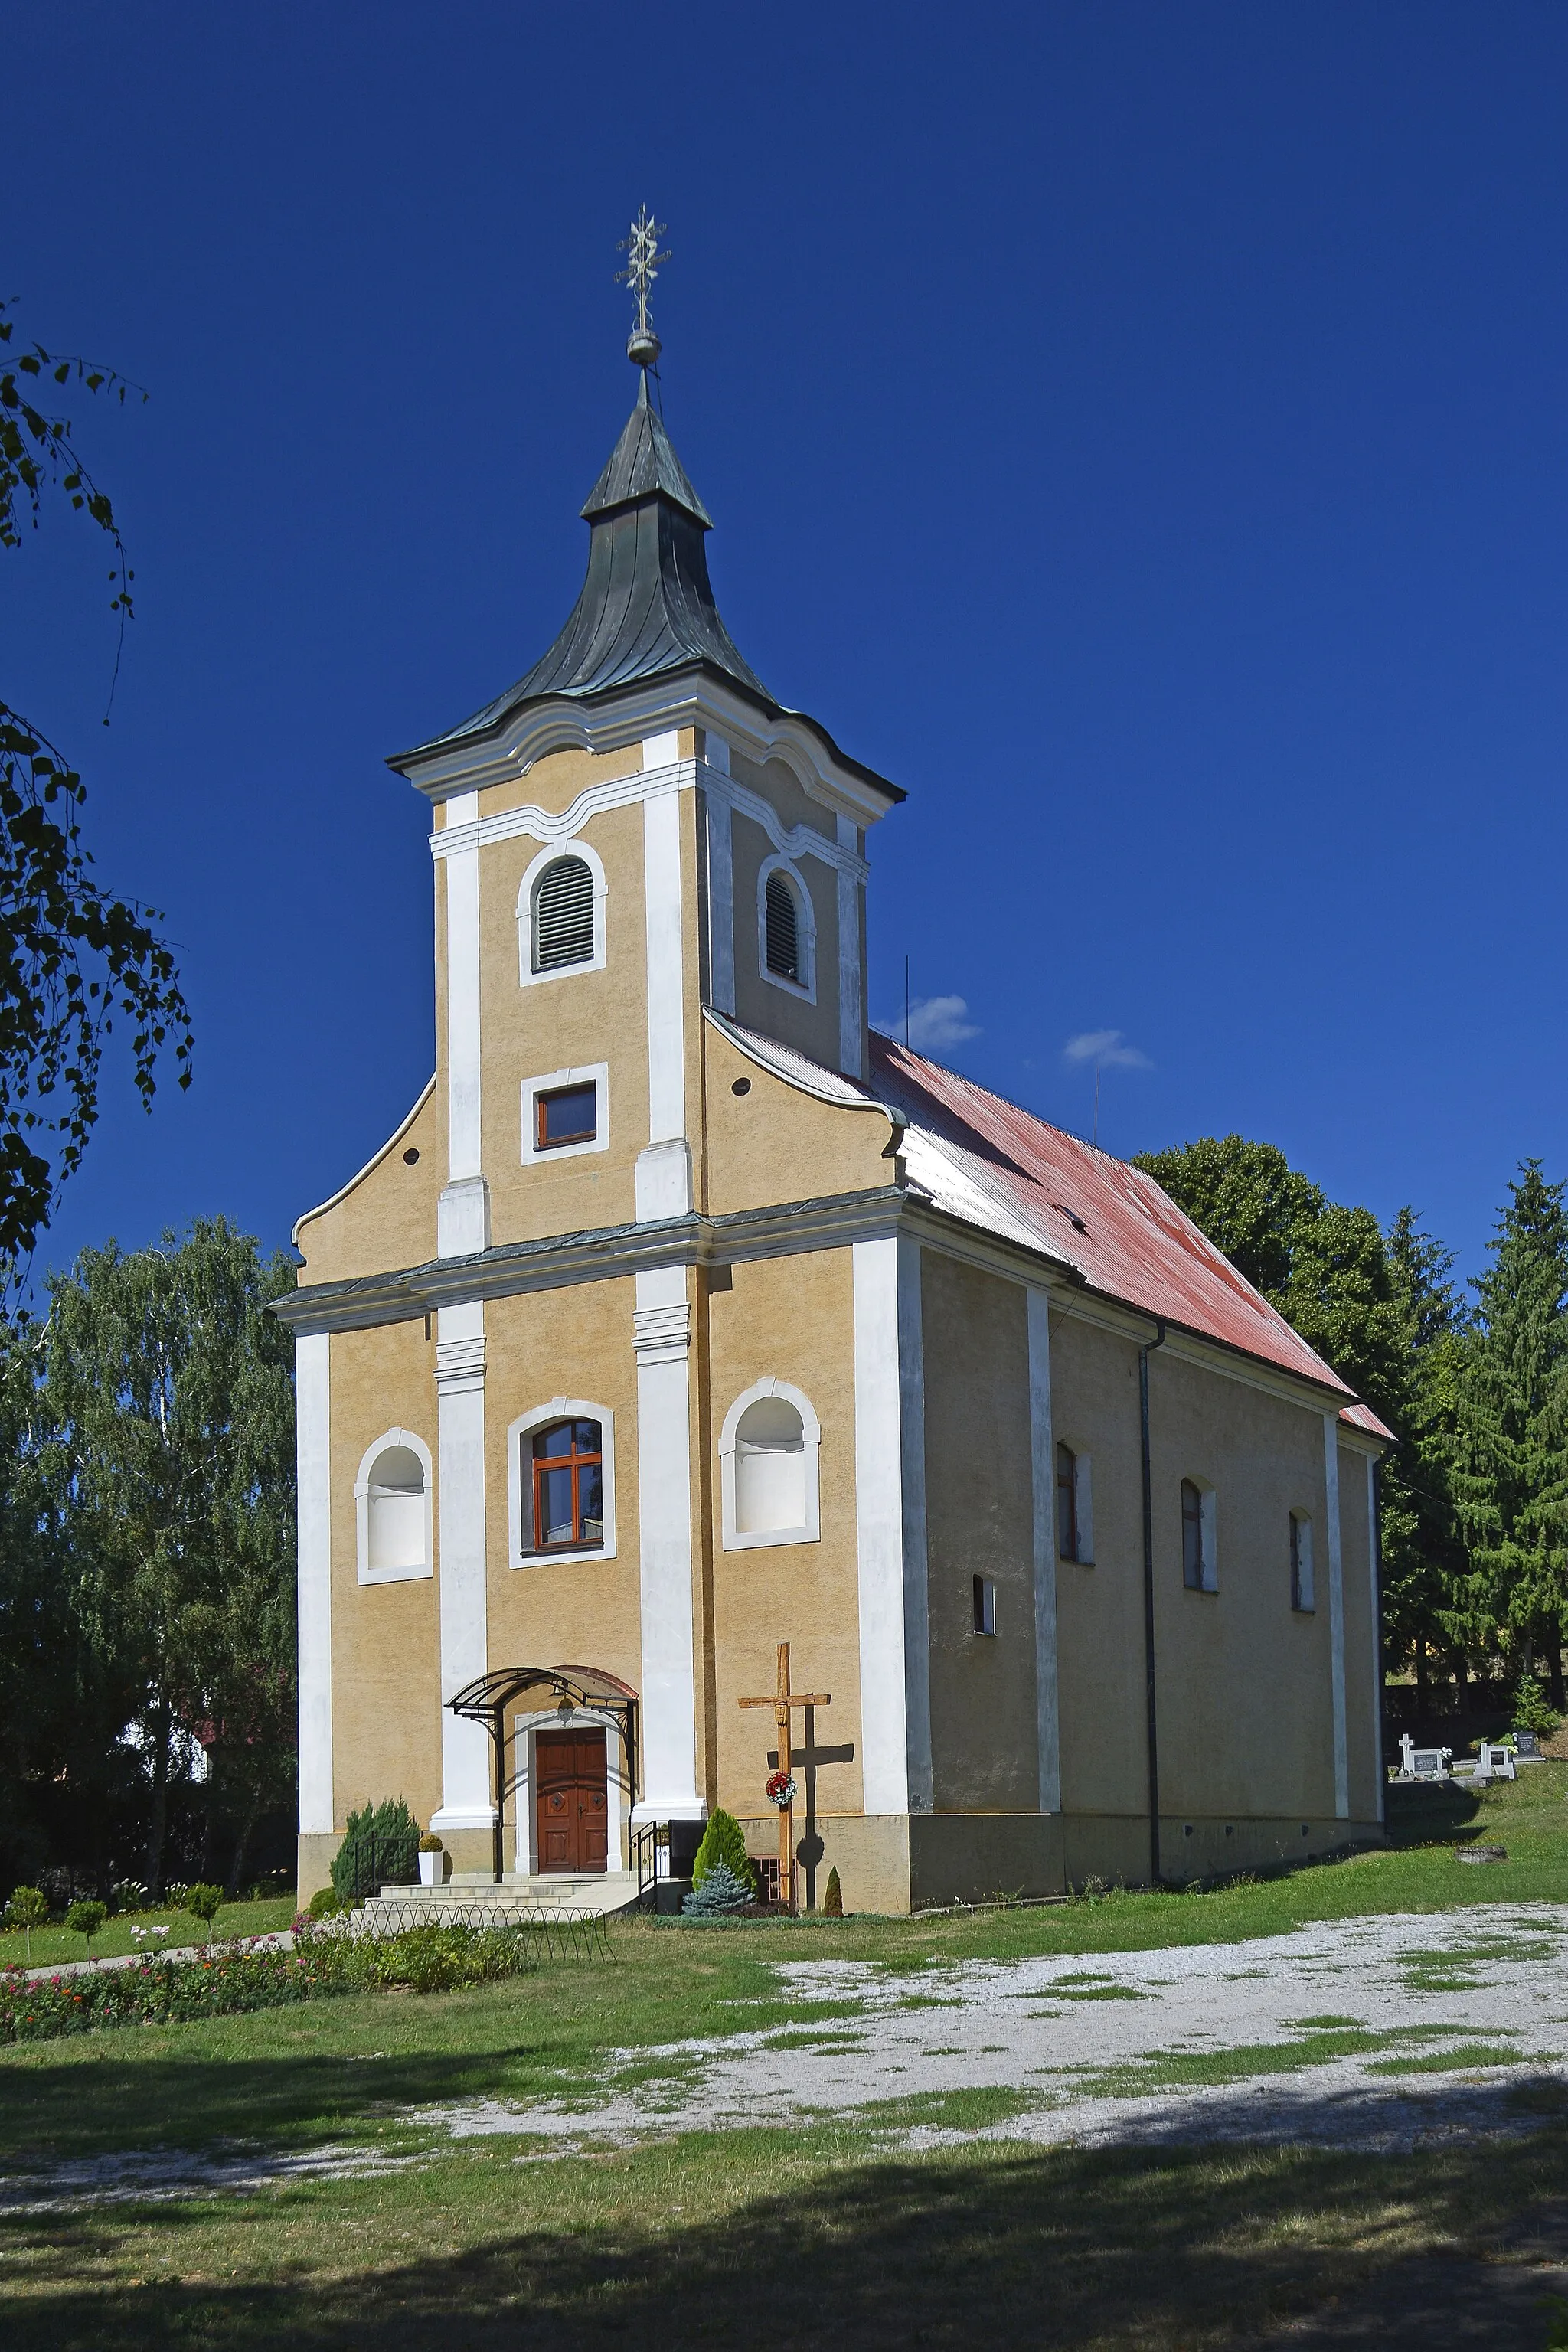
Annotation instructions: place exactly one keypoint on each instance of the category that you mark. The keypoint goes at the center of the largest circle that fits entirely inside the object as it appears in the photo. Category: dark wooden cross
(780, 1701)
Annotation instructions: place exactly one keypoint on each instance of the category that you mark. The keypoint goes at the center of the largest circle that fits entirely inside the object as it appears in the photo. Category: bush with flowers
(225, 1979)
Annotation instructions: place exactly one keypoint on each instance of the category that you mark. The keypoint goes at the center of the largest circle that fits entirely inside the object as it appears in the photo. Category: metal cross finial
(642, 268)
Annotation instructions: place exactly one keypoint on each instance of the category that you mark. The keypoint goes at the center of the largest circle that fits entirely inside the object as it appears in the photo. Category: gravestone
(1423, 1763)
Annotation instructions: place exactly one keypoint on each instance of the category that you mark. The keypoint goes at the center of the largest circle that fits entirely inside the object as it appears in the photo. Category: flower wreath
(781, 1789)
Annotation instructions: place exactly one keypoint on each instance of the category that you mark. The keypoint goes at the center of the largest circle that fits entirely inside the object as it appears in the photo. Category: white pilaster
(666, 979)
(851, 1024)
(1374, 1603)
(465, 1644)
(661, 1328)
(1336, 1616)
(890, 1528)
(1043, 1458)
(464, 1210)
(720, 885)
(313, 1431)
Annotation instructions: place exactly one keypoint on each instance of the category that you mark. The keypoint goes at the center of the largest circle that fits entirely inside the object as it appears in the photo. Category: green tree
(1325, 1267)
(1383, 1312)
(1511, 1452)
(168, 1402)
(73, 959)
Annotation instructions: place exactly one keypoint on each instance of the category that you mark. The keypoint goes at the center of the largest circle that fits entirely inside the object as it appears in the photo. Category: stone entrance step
(468, 1893)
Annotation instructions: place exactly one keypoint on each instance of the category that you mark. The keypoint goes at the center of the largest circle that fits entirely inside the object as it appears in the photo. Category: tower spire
(641, 247)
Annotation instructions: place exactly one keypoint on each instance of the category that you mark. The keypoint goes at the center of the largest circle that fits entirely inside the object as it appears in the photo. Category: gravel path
(1374, 2032)
(1215, 2041)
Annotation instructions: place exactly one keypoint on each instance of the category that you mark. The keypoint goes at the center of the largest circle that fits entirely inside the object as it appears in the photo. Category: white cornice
(687, 699)
(533, 823)
(373, 1162)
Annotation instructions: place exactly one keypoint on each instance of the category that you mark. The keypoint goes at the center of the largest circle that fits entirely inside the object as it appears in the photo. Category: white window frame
(417, 1445)
(527, 976)
(805, 932)
(733, 1538)
(1304, 1579)
(561, 1408)
(597, 1074)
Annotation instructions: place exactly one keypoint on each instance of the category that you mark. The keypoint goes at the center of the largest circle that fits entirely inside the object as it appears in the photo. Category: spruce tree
(1422, 1556)
(1510, 1473)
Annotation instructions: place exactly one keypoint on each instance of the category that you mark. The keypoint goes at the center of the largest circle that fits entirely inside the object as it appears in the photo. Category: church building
(686, 1316)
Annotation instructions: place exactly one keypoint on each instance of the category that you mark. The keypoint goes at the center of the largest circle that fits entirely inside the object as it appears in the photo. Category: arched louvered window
(783, 931)
(563, 914)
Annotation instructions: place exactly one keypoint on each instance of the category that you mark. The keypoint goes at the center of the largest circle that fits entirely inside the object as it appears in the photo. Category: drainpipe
(1144, 1355)
(1374, 1535)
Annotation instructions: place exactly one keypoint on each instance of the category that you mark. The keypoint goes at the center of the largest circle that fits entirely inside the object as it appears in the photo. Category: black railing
(663, 1850)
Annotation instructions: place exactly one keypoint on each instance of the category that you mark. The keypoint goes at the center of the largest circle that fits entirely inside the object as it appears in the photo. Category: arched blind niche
(563, 914)
(397, 1515)
(782, 919)
(770, 1467)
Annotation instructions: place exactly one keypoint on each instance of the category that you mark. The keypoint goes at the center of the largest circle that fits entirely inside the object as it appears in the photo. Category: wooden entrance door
(572, 1803)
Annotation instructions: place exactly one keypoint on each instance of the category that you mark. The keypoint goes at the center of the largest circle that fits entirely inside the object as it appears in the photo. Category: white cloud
(934, 1021)
(1106, 1050)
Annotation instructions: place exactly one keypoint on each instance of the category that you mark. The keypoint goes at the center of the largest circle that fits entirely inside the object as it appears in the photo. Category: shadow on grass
(68, 2112)
(1140, 2248)
(1431, 1815)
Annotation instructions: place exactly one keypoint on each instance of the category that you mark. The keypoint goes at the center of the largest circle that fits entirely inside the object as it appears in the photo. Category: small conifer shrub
(723, 1841)
(203, 1902)
(380, 1848)
(833, 1901)
(720, 1892)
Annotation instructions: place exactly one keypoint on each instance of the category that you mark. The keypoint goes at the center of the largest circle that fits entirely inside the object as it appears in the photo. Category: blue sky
(1141, 430)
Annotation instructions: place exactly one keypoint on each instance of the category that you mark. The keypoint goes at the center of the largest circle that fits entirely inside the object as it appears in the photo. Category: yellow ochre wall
(979, 1492)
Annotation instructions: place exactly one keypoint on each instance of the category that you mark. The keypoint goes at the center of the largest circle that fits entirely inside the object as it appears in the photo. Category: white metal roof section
(798, 1069)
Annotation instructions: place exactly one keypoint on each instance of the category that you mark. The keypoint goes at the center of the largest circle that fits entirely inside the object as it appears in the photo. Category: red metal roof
(987, 1161)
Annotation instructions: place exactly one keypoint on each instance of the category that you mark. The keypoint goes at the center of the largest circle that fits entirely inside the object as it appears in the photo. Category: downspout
(1144, 1353)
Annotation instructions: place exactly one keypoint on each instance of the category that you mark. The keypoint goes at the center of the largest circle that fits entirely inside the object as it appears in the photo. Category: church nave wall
(790, 1319)
(1099, 1603)
(979, 1498)
(386, 1699)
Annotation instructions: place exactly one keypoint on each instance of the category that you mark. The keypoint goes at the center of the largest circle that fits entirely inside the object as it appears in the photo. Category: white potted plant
(432, 1853)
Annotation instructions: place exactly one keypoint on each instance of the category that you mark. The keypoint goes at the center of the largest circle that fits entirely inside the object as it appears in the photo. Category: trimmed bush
(380, 1848)
(325, 1902)
(723, 1841)
(720, 1892)
(85, 1919)
(833, 1901)
(229, 1979)
(203, 1902)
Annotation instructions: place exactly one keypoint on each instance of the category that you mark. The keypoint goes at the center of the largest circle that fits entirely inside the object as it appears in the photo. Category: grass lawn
(797, 2236)
(52, 1944)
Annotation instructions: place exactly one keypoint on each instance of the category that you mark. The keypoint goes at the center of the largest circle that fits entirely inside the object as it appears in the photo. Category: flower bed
(227, 1978)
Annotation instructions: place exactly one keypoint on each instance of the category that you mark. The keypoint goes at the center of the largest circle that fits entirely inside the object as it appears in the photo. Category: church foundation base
(315, 1850)
(897, 1862)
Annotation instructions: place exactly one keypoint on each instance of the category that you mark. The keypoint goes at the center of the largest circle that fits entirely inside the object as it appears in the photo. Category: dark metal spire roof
(646, 606)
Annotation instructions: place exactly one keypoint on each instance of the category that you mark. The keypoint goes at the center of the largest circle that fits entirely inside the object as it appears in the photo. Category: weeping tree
(166, 1396)
(75, 960)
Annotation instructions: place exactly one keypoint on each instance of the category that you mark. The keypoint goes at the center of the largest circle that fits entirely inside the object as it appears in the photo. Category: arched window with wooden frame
(566, 1461)
(1199, 1570)
(560, 1483)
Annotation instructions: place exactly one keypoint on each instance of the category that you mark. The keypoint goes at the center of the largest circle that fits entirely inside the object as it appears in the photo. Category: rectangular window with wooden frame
(566, 1488)
(1199, 1570)
(1303, 1595)
(566, 1114)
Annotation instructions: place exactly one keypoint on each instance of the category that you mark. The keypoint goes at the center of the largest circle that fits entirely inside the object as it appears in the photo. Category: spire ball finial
(641, 247)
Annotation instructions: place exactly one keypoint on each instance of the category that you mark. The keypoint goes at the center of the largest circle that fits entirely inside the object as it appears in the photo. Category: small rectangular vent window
(568, 1115)
(563, 914)
(985, 1605)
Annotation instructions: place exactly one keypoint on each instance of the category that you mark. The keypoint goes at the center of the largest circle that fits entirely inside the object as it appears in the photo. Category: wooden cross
(780, 1701)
